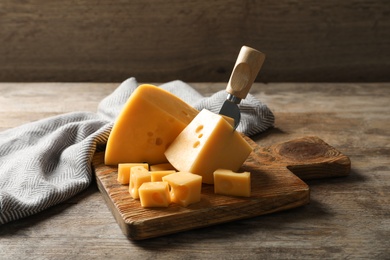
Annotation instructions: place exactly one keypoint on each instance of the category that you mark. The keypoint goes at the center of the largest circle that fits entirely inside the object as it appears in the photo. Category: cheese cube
(124, 171)
(161, 167)
(138, 175)
(154, 194)
(227, 182)
(157, 175)
(208, 143)
(185, 187)
(149, 121)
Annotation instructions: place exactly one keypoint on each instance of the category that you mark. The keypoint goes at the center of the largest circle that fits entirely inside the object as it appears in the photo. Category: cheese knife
(246, 68)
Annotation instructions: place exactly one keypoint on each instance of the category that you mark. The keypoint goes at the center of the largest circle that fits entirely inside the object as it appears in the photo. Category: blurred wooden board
(274, 188)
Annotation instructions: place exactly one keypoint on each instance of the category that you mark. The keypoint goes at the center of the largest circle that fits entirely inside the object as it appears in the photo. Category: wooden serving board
(277, 174)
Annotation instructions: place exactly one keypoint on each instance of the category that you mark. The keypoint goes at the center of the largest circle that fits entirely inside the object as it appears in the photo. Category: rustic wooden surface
(347, 217)
(273, 189)
(91, 40)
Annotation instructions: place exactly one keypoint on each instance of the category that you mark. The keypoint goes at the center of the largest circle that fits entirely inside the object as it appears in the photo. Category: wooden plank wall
(156, 40)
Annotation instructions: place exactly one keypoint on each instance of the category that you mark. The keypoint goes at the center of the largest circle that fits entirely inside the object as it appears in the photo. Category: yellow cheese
(150, 120)
(138, 175)
(208, 143)
(185, 187)
(161, 167)
(124, 171)
(157, 175)
(154, 194)
(229, 120)
(227, 182)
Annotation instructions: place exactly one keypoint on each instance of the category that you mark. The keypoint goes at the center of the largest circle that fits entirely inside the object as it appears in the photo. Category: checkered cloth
(48, 161)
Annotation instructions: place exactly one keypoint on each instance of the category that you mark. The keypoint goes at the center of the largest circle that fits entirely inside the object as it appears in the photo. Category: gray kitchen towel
(48, 161)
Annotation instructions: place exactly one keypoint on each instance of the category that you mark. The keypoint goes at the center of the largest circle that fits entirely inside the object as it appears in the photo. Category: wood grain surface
(152, 40)
(347, 217)
(273, 188)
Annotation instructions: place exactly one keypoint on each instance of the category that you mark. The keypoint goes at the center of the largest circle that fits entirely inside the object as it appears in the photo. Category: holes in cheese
(158, 175)
(227, 182)
(196, 144)
(124, 171)
(148, 123)
(138, 176)
(154, 194)
(185, 188)
(199, 129)
(208, 143)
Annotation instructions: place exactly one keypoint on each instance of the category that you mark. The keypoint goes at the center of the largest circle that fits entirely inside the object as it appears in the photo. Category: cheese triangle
(208, 143)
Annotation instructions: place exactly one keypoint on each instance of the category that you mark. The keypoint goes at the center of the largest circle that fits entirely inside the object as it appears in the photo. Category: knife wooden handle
(248, 65)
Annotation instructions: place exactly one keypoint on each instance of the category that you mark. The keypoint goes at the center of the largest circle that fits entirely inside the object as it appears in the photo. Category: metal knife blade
(246, 68)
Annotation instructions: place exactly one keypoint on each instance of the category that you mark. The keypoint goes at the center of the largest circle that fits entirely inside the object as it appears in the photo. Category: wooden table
(348, 217)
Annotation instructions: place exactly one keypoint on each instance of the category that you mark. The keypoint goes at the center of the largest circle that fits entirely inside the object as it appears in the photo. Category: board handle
(246, 68)
(308, 158)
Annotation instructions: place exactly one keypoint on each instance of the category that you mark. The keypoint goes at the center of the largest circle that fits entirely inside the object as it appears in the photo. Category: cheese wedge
(149, 121)
(158, 175)
(229, 120)
(185, 188)
(138, 176)
(124, 171)
(154, 194)
(208, 143)
(227, 182)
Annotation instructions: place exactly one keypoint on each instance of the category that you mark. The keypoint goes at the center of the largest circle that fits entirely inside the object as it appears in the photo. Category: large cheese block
(150, 120)
(208, 143)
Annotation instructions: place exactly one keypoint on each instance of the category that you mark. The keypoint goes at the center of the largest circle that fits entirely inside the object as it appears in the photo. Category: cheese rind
(138, 176)
(185, 188)
(124, 171)
(227, 182)
(158, 175)
(154, 194)
(208, 143)
(149, 121)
